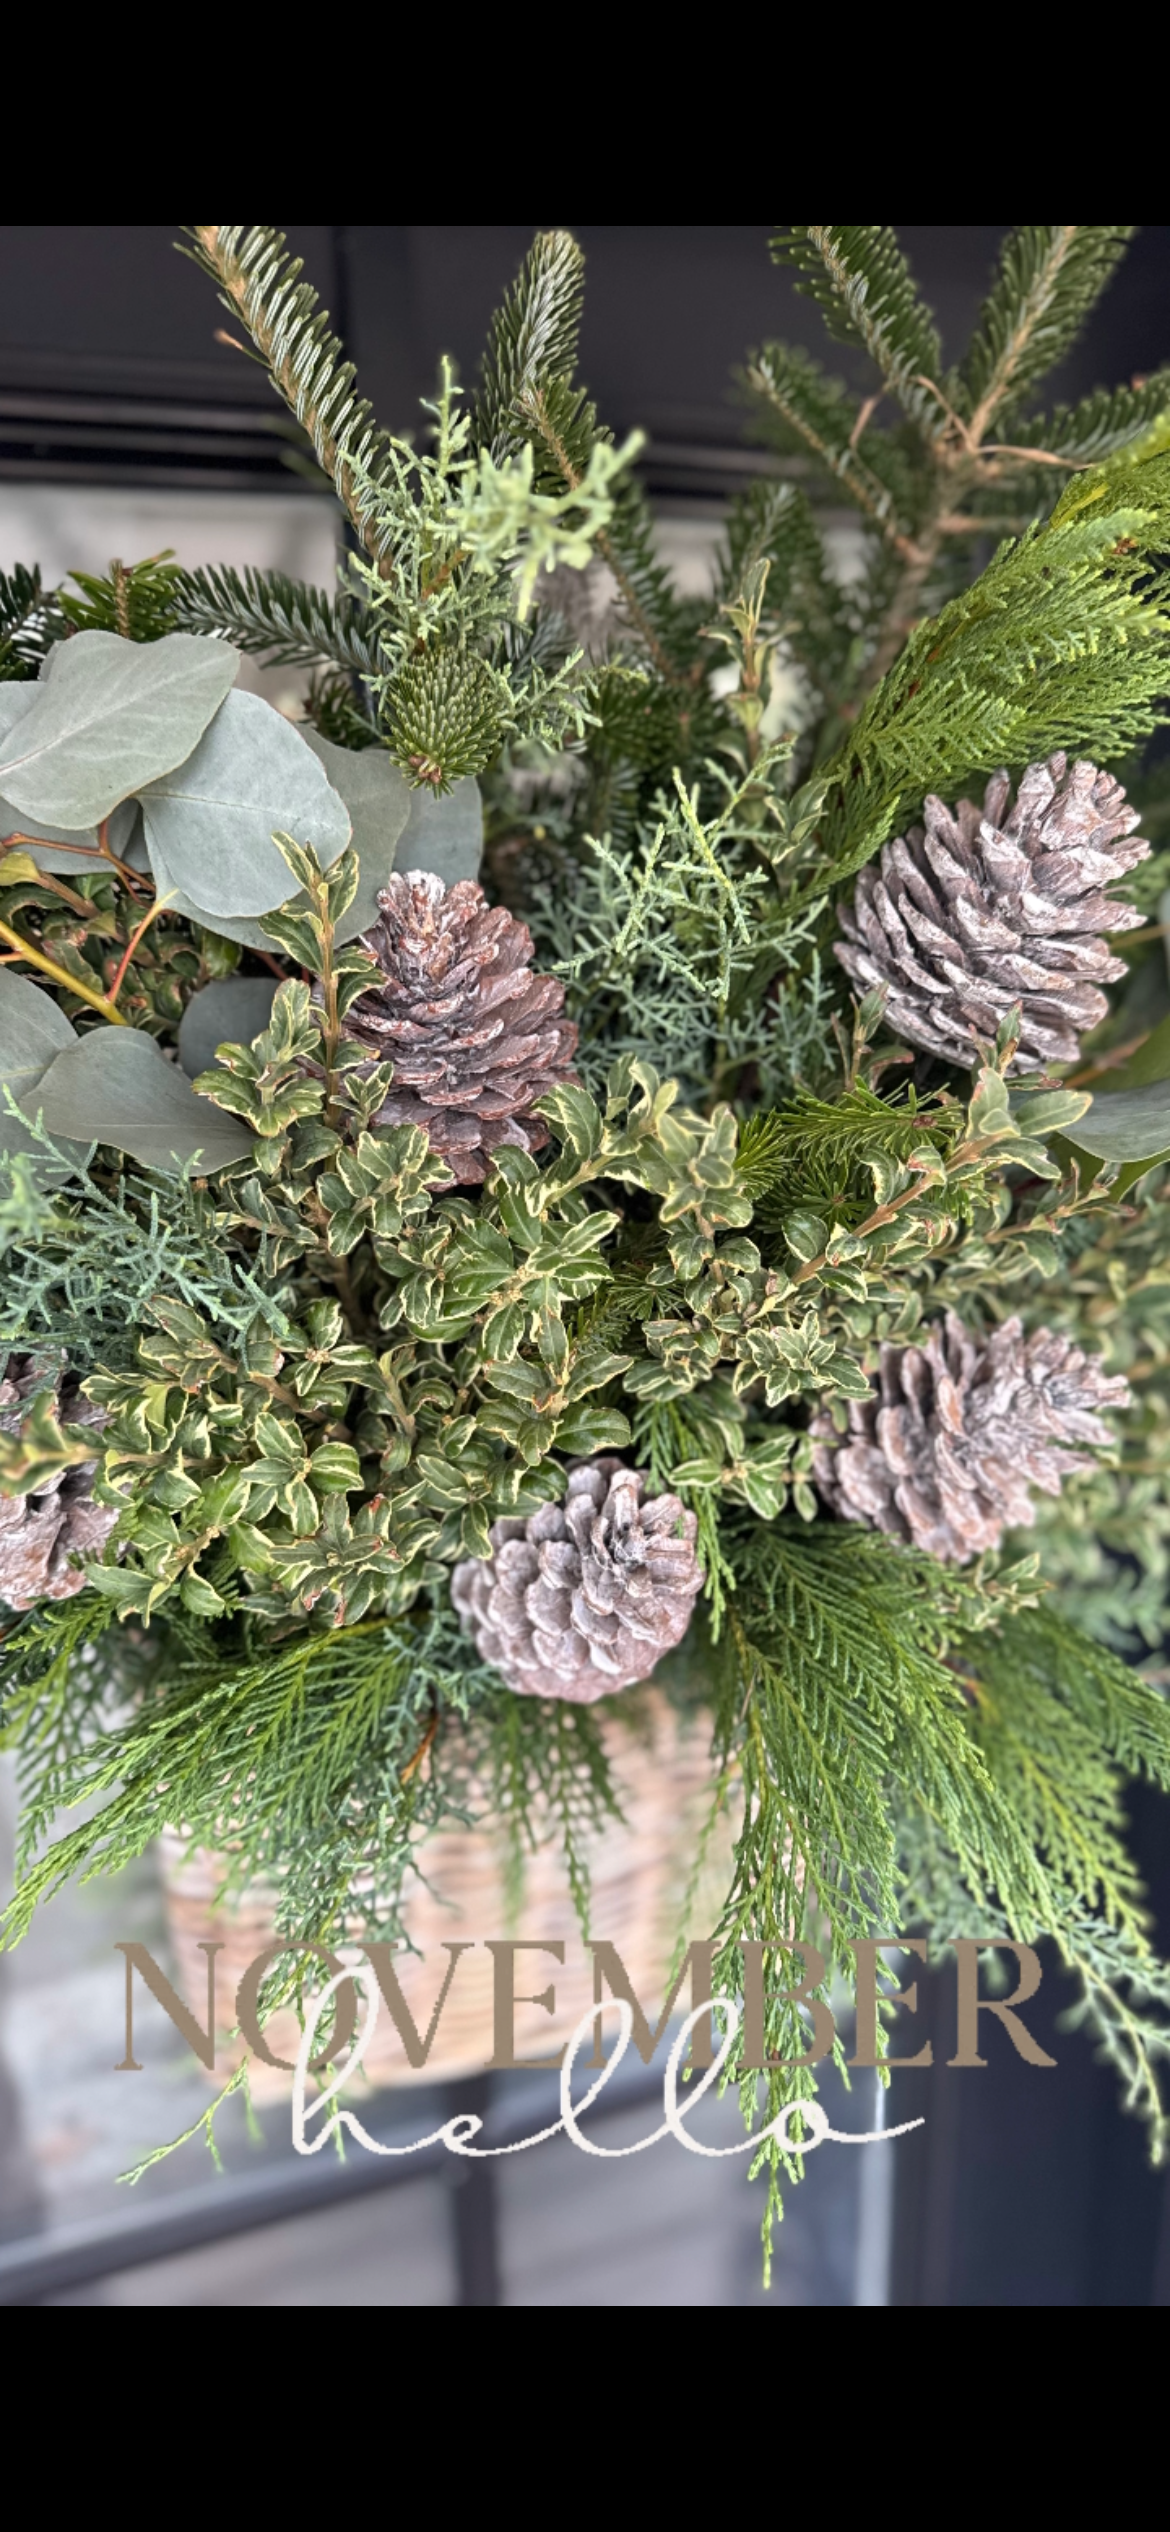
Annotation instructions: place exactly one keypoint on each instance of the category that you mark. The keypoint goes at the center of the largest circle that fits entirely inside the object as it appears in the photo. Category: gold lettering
(248, 2004)
(203, 2042)
(505, 2000)
(865, 1952)
(381, 1960)
(972, 2004)
(608, 1966)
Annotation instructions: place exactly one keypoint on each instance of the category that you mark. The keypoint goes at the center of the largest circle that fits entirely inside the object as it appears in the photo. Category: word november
(608, 1971)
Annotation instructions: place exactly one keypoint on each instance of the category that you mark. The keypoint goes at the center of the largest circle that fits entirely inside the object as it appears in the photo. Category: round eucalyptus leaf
(378, 798)
(113, 716)
(32, 1028)
(16, 699)
(444, 834)
(113, 1086)
(228, 926)
(212, 819)
(1129, 1125)
(32, 1032)
(233, 1008)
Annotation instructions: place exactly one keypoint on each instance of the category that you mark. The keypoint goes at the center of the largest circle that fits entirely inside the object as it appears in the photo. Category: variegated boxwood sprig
(463, 1353)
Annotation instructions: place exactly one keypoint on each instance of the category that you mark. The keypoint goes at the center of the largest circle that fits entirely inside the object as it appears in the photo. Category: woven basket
(639, 1871)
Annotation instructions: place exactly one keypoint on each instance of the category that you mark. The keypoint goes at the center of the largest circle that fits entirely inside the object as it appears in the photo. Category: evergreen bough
(326, 1371)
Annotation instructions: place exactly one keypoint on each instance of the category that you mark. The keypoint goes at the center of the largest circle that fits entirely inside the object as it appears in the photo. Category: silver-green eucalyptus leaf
(233, 1008)
(212, 819)
(113, 716)
(1129, 1125)
(32, 1028)
(32, 1032)
(113, 1086)
(248, 932)
(444, 834)
(379, 800)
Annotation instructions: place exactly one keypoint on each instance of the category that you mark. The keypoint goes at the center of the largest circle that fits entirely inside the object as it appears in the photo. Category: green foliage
(657, 943)
(861, 282)
(1048, 283)
(91, 1255)
(304, 1764)
(326, 1373)
(137, 602)
(453, 541)
(260, 285)
(43, 1448)
(28, 623)
(1067, 630)
(530, 358)
(275, 618)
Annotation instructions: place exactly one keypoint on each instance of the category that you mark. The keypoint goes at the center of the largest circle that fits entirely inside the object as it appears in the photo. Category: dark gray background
(109, 366)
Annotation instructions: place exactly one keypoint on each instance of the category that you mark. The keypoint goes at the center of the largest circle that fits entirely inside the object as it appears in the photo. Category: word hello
(608, 1973)
(812, 2127)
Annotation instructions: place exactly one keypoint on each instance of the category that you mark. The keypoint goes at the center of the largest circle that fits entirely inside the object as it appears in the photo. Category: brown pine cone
(40, 1532)
(976, 910)
(944, 1451)
(475, 1038)
(585, 1597)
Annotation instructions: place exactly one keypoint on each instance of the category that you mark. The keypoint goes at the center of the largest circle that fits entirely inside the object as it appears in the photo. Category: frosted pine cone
(943, 1453)
(983, 908)
(475, 1038)
(585, 1597)
(40, 1532)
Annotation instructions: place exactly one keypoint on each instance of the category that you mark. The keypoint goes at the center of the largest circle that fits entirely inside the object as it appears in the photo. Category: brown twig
(132, 944)
(131, 879)
(1107, 1064)
(59, 888)
(415, 1761)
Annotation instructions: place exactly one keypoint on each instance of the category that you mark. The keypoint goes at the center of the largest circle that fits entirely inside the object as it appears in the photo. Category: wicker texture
(976, 910)
(639, 1871)
(945, 1452)
(474, 1036)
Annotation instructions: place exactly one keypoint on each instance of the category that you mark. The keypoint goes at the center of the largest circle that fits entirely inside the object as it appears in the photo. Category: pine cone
(943, 1453)
(988, 907)
(475, 1038)
(40, 1532)
(584, 1598)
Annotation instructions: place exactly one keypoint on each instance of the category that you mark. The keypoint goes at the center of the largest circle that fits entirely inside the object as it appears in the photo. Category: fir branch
(861, 281)
(818, 414)
(260, 283)
(532, 342)
(1102, 424)
(28, 622)
(774, 523)
(136, 601)
(278, 619)
(1048, 282)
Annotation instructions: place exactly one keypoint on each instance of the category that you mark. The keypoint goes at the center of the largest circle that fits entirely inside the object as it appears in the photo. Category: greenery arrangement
(558, 1222)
